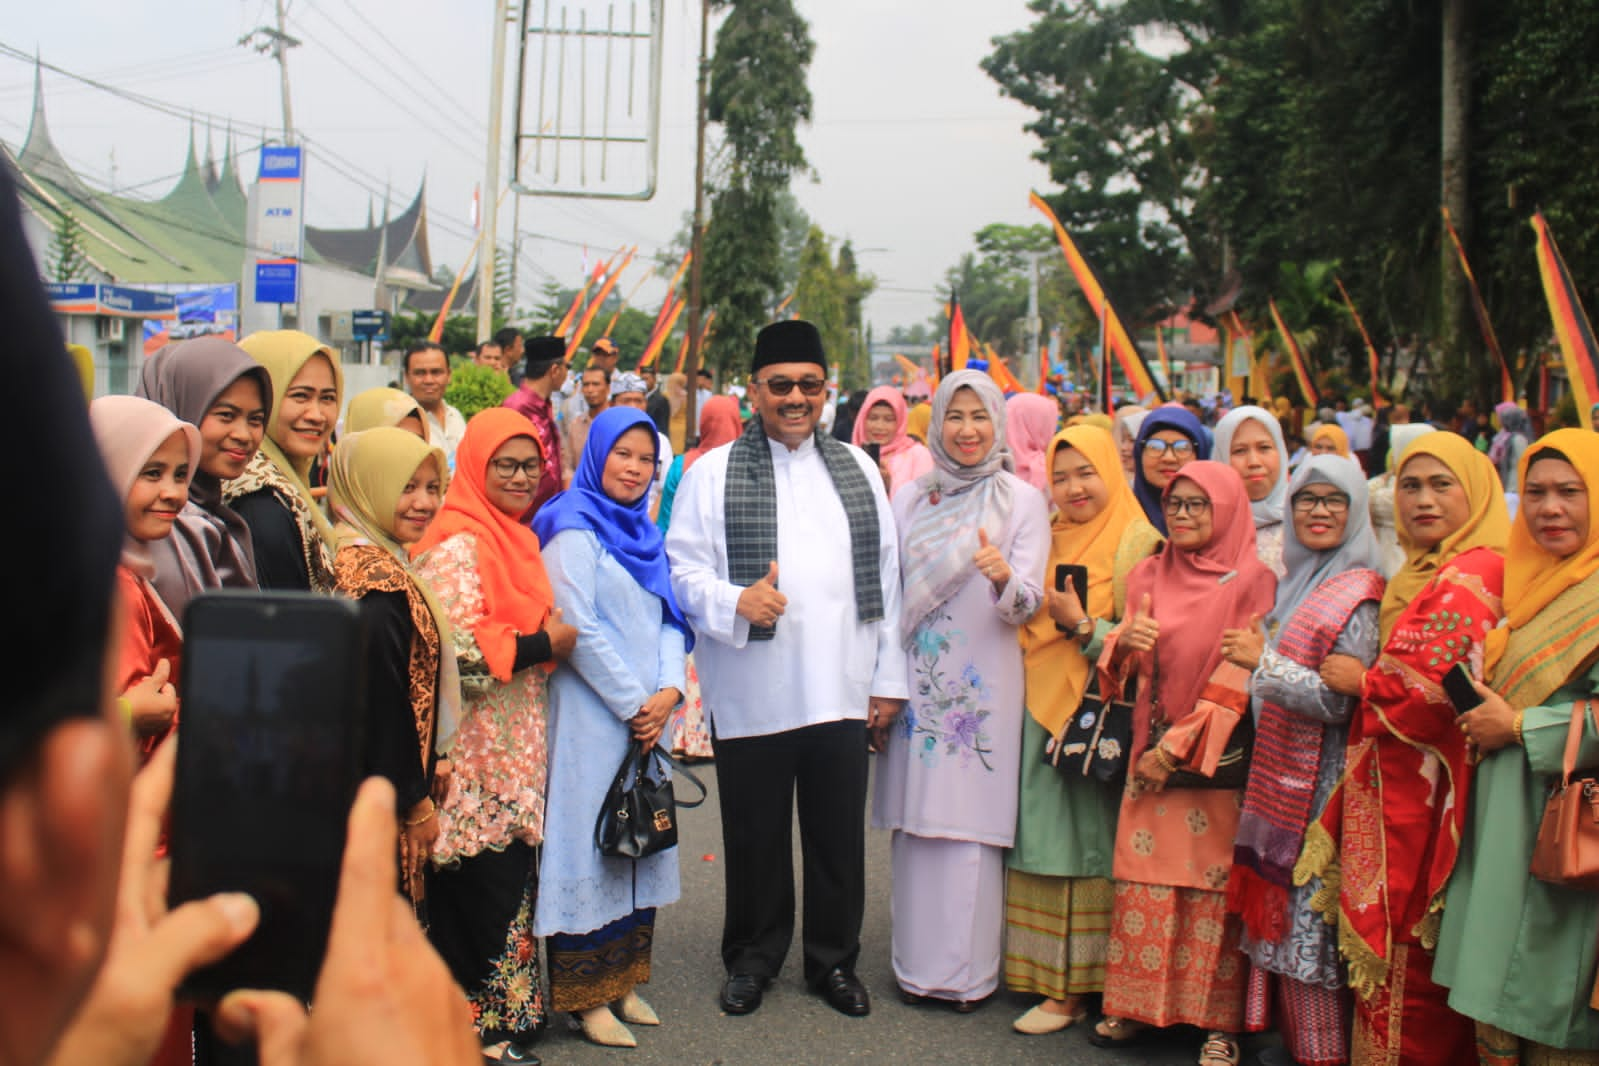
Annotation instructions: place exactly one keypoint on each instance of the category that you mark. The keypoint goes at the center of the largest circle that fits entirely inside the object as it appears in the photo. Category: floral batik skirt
(592, 969)
(1174, 958)
(480, 912)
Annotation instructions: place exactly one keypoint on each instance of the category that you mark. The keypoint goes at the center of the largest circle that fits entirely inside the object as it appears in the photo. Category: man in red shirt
(545, 371)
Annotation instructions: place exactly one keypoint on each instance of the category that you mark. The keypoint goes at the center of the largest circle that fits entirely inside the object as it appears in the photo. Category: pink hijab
(904, 457)
(1223, 583)
(1030, 421)
(128, 430)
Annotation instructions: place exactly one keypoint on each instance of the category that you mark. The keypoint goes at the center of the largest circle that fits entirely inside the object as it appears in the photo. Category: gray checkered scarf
(751, 517)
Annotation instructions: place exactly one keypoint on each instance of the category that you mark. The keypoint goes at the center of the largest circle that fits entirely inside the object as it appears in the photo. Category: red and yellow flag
(1121, 345)
(1001, 373)
(960, 341)
(1572, 328)
(663, 329)
(1371, 349)
(1507, 387)
(599, 299)
(567, 319)
(1296, 358)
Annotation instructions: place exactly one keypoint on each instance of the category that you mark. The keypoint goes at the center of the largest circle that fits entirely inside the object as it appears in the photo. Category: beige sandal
(1041, 1021)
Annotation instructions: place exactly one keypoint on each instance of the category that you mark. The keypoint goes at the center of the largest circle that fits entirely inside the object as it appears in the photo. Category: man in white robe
(796, 663)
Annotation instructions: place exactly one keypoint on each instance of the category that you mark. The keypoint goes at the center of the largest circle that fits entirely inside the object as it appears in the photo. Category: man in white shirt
(792, 679)
(602, 356)
(426, 371)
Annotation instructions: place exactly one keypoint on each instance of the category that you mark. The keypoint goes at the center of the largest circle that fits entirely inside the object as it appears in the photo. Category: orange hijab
(517, 597)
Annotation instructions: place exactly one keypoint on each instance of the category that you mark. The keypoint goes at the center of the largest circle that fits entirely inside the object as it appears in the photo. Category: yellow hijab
(917, 420)
(283, 352)
(366, 478)
(1534, 579)
(382, 407)
(1056, 669)
(1334, 433)
(1487, 526)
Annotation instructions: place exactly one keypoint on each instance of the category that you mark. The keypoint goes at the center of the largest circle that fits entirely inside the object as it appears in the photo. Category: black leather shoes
(845, 993)
(742, 993)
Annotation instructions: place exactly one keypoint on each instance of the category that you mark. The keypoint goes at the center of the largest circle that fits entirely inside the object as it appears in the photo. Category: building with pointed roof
(194, 236)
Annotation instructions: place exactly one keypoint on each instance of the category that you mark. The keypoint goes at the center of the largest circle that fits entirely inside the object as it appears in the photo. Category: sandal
(1117, 1032)
(1219, 1049)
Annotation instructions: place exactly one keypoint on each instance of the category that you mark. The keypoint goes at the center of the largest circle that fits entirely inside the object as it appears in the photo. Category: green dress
(1064, 828)
(1514, 951)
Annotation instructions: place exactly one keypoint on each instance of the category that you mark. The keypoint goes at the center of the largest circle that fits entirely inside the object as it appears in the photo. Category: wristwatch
(1084, 626)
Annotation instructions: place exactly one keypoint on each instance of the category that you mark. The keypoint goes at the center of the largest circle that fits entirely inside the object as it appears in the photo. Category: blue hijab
(624, 530)
(1170, 417)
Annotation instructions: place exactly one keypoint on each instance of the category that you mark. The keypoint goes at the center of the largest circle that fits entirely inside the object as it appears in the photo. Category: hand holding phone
(1076, 576)
(1461, 692)
(274, 705)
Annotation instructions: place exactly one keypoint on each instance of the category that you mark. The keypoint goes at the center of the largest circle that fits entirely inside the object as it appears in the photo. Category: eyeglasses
(1180, 505)
(784, 386)
(1180, 449)
(507, 468)
(1332, 503)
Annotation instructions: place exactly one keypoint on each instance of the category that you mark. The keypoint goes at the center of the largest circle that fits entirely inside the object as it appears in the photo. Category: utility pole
(276, 40)
(491, 179)
(692, 366)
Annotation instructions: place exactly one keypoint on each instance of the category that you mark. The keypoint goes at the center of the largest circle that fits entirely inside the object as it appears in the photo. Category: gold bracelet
(1515, 727)
(125, 705)
(432, 810)
(1163, 757)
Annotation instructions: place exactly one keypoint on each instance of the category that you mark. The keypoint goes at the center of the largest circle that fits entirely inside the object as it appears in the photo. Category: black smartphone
(874, 451)
(1078, 576)
(1458, 686)
(269, 758)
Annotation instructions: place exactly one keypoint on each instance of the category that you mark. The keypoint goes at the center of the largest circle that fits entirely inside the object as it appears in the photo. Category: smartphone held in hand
(269, 759)
(1461, 692)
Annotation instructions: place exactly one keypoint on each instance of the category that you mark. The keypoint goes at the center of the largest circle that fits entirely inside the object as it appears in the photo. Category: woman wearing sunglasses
(1169, 439)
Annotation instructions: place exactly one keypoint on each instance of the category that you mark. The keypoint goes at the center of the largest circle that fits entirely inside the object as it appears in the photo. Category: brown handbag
(1567, 852)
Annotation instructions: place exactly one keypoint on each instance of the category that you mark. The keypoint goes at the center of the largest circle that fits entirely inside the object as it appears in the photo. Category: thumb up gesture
(990, 563)
(761, 604)
(1142, 630)
(1243, 647)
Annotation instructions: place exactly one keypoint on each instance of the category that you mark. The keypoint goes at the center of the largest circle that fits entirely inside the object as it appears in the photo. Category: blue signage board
(277, 281)
(369, 325)
(112, 300)
(280, 163)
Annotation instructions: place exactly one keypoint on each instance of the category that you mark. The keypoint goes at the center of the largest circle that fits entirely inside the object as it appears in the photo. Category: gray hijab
(1273, 509)
(952, 503)
(1307, 569)
(210, 546)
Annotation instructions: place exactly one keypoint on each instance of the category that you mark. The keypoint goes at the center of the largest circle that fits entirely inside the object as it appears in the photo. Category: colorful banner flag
(1160, 350)
(1001, 373)
(652, 347)
(565, 328)
(1132, 362)
(1296, 358)
(960, 341)
(1507, 386)
(599, 299)
(1371, 349)
(1572, 328)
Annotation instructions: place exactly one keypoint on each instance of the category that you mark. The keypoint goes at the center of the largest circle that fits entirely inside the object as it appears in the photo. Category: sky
(912, 147)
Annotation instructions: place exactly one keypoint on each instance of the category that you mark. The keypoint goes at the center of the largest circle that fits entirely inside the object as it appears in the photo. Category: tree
(854, 288)
(67, 261)
(993, 283)
(818, 298)
(1122, 130)
(758, 96)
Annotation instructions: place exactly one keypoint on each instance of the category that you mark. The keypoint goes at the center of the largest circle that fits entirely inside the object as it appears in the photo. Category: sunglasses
(784, 386)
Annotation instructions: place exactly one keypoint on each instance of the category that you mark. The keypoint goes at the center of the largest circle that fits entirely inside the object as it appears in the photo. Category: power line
(419, 69)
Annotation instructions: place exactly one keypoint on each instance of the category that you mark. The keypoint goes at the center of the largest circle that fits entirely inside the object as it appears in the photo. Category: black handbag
(1097, 739)
(639, 815)
(1232, 771)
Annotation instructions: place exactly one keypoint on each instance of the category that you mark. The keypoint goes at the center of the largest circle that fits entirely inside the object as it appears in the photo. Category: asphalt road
(794, 1026)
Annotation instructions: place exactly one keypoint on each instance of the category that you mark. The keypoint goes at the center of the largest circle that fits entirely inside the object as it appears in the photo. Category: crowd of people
(1279, 821)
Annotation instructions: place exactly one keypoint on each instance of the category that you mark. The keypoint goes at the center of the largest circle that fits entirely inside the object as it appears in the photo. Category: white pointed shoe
(633, 1010)
(601, 1027)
